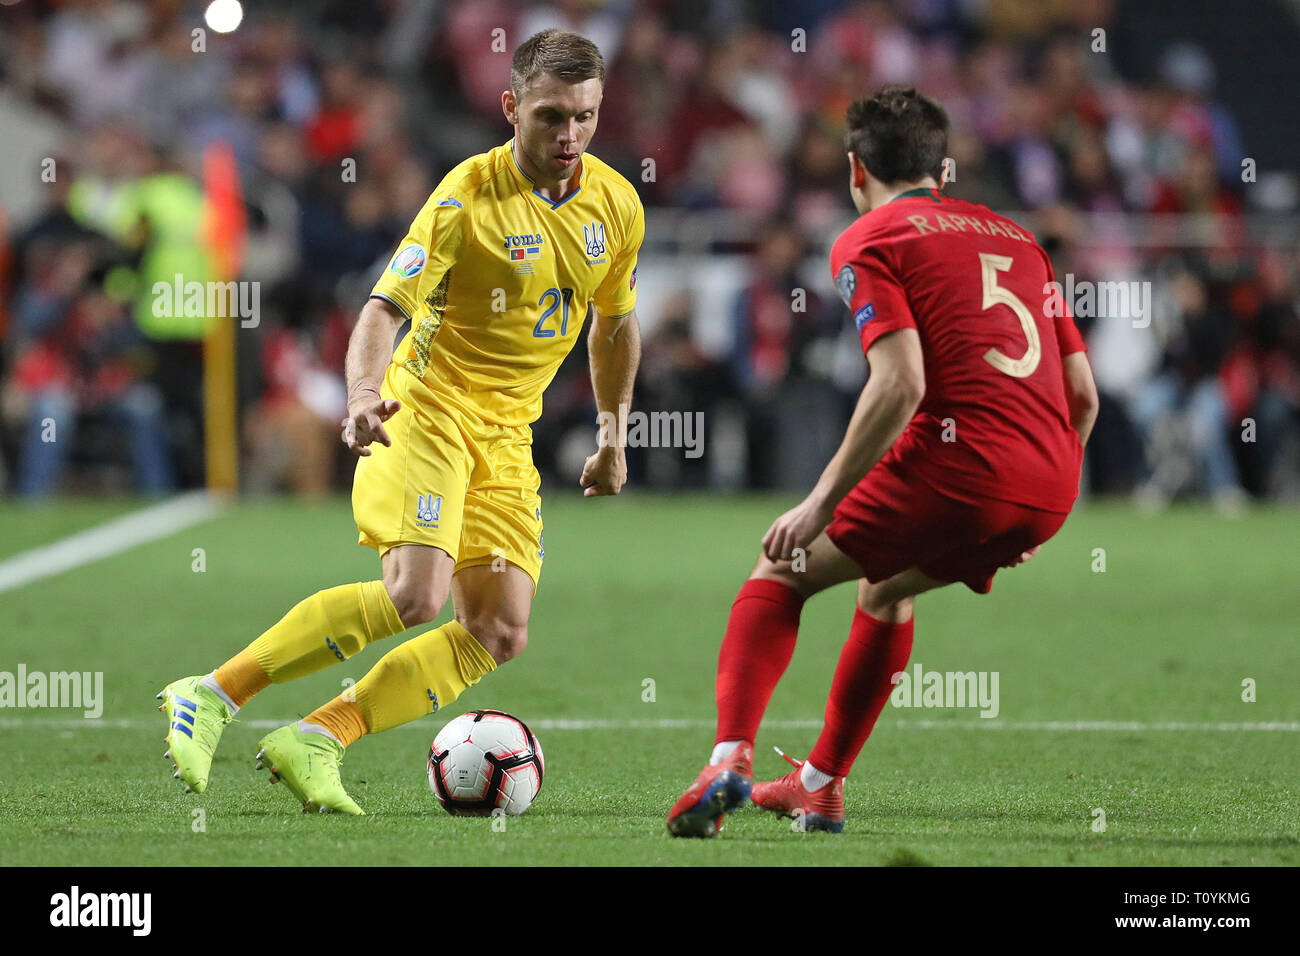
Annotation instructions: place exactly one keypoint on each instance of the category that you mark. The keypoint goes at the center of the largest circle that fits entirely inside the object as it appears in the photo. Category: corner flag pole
(222, 235)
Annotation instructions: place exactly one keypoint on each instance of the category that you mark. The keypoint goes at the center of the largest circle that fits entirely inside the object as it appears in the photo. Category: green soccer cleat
(309, 766)
(195, 719)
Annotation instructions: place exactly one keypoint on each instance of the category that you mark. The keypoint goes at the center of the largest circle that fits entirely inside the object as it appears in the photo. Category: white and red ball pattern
(483, 761)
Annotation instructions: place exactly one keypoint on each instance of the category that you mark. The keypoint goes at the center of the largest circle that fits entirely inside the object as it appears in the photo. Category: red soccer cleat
(718, 790)
(822, 809)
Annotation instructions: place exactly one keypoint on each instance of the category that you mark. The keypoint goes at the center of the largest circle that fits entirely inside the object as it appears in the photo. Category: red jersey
(994, 422)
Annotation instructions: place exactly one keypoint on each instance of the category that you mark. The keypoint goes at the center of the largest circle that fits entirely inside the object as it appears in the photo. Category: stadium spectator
(291, 433)
(78, 356)
(775, 320)
(1182, 414)
(677, 376)
(1261, 378)
(741, 115)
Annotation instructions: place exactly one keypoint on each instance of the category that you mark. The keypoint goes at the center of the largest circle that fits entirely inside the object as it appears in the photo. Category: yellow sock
(328, 627)
(341, 717)
(241, 677)
(420, 676)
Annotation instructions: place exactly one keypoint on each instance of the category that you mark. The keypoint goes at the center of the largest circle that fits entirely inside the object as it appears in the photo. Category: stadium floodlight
(224, 16)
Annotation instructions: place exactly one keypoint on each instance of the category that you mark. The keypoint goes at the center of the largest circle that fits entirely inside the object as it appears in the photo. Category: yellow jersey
(496, 280)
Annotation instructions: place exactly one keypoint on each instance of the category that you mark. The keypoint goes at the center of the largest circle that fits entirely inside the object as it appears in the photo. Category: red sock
(873, 654)
(760, 639)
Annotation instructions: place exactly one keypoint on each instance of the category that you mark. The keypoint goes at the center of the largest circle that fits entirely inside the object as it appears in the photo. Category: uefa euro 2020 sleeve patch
(409, 261)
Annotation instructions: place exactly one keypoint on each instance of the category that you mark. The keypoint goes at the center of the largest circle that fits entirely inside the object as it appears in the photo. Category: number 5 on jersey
(1023, 367)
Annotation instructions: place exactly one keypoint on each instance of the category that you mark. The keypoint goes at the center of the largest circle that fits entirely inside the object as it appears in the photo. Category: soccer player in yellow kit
(496, 276)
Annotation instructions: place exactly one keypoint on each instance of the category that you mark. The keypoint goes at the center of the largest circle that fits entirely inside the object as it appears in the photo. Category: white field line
(568, 723)
(1111, 726)
(110, 538)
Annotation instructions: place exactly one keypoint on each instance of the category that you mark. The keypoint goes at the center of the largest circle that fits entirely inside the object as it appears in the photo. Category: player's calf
(493, 603)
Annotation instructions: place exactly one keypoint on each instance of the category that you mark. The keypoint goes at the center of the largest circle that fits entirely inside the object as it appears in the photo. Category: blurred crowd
(727, 115)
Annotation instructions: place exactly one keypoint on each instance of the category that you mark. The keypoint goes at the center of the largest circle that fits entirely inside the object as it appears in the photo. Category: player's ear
(857, 172)
(510, 106)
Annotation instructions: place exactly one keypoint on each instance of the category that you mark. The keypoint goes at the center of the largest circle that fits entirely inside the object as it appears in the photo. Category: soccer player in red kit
(961, 457)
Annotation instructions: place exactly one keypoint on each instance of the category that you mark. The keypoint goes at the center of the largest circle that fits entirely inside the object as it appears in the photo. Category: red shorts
(888, 524)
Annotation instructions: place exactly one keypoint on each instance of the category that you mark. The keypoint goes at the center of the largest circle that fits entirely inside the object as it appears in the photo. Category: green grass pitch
(636, 590)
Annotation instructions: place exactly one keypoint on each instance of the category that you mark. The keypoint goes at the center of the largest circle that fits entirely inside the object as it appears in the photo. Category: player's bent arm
(370, 349)
(614, 350)
(891, 397)
(1080, 394)
(614, 347)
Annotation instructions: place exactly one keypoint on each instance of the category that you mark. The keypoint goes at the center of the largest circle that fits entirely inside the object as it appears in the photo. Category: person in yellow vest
(497, 276)
(138, 198)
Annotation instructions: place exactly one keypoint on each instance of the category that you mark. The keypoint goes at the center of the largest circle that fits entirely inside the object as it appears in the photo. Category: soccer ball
(483, 761)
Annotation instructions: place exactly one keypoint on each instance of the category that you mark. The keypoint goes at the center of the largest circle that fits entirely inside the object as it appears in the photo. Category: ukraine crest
(593, 237)
(428, 508)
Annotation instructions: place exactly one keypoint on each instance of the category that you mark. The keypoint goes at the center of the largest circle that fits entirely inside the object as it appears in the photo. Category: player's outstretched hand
(605, 472)
(795, 529)
(365, 423)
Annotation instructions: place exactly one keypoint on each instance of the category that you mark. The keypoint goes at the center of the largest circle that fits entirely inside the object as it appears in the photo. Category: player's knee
(500, 637)
(784, 573)
(884, 607)
(417, 602)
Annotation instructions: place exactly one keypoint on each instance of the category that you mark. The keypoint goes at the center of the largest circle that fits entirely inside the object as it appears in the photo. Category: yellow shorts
(449, 481)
